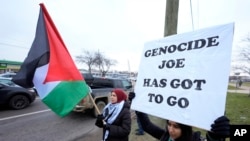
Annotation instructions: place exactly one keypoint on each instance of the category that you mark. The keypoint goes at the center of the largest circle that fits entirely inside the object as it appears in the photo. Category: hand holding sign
(220, 128)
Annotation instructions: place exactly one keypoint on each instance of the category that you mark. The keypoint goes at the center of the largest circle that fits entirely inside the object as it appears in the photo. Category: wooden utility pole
(171, 17)
(171, 22)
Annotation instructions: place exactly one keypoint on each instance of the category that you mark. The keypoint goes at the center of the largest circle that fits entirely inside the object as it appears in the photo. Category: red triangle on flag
(61, 65)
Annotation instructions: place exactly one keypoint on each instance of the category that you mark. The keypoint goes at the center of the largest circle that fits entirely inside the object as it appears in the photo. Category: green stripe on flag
(64, 97)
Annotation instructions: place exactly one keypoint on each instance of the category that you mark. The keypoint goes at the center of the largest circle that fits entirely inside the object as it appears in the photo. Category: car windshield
(2, 84)
(127, 84)
(7, 82)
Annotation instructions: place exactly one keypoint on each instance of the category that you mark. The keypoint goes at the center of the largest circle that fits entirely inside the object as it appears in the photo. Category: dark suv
(100, 82)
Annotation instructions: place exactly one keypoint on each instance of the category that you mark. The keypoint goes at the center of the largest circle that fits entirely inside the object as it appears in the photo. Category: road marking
(1, 119)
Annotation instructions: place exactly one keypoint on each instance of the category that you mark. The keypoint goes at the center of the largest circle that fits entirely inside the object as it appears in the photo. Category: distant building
(235, 77)
(9, 66)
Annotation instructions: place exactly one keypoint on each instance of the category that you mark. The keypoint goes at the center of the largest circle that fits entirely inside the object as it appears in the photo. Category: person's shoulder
(126, 104)
(125, 110)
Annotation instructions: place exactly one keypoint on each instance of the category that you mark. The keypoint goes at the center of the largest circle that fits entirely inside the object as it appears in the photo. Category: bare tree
(103, 63)
(87, 58)
(244, 56)
(96, 59)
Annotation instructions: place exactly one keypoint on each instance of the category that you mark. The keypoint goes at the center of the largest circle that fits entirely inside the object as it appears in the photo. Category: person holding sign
(180, 132)
(115, 119)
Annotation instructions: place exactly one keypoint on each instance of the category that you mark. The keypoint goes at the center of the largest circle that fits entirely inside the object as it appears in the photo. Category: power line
(192, 18)
(12, 45)
(198, 10)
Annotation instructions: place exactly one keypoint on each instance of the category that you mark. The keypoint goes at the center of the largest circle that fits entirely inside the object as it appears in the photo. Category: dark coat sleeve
(149, 127)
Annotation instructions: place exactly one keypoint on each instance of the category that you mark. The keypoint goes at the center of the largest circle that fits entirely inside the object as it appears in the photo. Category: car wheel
(19, 102)
(100, 105)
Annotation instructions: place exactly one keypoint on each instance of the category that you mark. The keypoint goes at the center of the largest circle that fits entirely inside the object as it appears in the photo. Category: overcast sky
(117, 28)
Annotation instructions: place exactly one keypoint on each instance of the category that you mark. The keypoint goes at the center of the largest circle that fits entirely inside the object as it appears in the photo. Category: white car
(8, 75)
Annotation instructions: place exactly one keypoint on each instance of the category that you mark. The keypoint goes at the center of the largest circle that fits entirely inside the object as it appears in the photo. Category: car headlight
(31, 90)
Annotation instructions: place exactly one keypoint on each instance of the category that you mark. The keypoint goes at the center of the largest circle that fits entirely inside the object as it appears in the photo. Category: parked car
(16, 97)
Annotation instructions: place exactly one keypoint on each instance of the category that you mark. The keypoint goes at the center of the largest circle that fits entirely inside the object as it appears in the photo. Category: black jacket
(119, 130)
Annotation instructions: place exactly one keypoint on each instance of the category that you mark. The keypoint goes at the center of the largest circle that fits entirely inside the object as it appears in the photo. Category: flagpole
(98, 111)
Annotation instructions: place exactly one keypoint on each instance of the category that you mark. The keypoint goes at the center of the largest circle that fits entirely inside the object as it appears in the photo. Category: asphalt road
(38, 123)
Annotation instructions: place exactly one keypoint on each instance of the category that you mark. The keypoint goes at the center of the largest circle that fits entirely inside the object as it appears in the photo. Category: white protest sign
(184, 77)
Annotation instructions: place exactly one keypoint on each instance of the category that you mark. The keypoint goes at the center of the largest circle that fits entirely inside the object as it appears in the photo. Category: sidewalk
(243, 89)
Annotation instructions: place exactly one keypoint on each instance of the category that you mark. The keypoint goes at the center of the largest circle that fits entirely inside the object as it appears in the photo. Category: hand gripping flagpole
(98, 111)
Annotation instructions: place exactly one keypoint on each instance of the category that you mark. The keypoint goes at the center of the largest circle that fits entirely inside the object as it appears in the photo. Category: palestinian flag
(50, 68)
